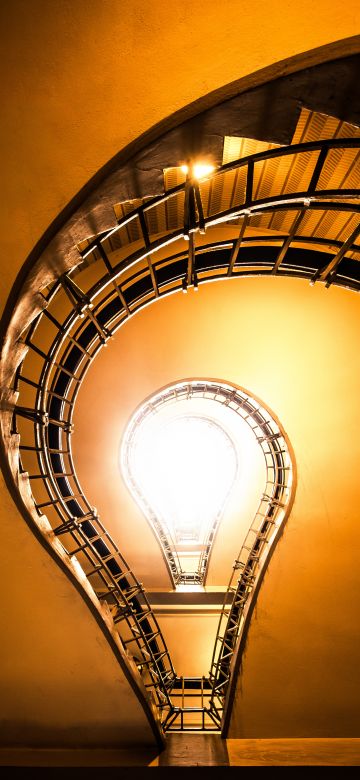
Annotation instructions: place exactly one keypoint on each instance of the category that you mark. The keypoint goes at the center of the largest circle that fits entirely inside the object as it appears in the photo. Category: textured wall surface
(83, 79)
(60, 683)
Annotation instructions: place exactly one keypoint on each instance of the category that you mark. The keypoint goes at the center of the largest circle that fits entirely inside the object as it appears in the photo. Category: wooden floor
(211, 750)
(196, 750)
(293, 752)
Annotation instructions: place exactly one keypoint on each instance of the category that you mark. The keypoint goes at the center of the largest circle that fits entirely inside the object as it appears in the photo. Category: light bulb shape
(181, 468)
(185, 468)
(196, 453)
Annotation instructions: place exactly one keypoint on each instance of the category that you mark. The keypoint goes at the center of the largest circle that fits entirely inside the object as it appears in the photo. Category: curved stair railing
(119, 271)
(260, 539)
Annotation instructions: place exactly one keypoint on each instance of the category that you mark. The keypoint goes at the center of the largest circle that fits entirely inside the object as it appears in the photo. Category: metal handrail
(127, 294)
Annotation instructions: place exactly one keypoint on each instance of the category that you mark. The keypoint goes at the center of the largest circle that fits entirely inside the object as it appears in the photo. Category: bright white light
(199, 170)
(179, 458)
(190, 588)
(185, 467)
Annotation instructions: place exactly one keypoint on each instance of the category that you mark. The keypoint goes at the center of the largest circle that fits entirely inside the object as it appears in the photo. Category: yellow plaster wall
(296, 348)
(60, 683)
(83, 78)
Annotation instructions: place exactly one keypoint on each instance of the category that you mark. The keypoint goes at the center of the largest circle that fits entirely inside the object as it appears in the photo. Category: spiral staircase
(267, 210)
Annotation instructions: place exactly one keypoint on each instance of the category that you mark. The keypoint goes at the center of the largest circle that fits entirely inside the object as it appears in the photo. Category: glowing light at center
(185, 467)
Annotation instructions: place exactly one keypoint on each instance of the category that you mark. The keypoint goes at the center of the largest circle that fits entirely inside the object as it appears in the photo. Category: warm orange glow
(198, 170)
